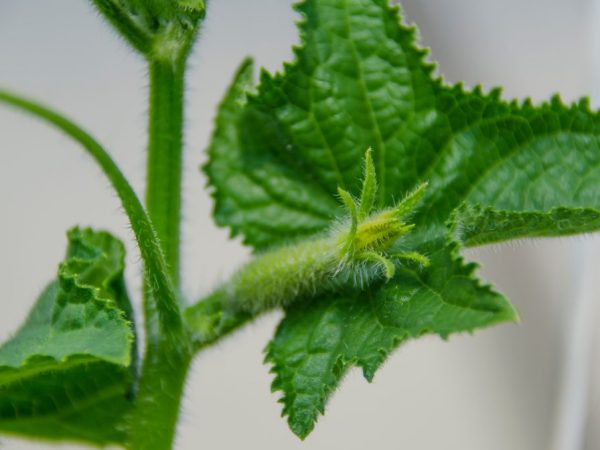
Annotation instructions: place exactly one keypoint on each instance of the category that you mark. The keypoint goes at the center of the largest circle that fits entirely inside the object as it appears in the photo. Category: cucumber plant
(357, 176)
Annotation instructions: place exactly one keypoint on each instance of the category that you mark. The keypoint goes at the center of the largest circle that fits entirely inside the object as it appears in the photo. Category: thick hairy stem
(166, 362)
(163, 190)
(154, 422)
(164, 165)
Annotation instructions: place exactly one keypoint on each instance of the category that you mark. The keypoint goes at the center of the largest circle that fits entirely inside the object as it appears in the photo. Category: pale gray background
(495, 390)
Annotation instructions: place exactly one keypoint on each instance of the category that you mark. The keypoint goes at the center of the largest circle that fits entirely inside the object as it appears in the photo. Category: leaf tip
(301, 427)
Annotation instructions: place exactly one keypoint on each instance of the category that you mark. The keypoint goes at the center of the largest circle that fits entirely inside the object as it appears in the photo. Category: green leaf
(254, 194)
(358, 81)
(67, 373)
(473, 225)
(315, 120)
(318, 341)
(197, 6)
(513, 157)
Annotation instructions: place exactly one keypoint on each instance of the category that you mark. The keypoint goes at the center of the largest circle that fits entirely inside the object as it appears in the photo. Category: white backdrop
(495, 390)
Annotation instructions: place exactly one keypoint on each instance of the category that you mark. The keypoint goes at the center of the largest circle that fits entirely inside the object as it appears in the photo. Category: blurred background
(498, 389)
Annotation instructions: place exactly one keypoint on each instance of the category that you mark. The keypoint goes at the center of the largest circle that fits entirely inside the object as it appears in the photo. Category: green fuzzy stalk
(355, 254)
(280, 276)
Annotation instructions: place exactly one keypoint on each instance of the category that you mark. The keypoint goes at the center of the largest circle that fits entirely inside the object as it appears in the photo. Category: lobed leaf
(318, 341)
(67, 373)
(496, 170)
(359, 72)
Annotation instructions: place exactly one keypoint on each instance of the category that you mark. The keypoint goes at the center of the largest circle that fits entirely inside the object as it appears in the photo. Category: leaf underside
(67, 373)
(496, 170)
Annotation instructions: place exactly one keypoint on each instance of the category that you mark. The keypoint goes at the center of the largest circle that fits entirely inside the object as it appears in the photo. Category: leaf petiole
(166, 298)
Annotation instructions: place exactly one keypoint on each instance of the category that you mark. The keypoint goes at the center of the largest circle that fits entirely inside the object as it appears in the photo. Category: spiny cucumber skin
(282, 276)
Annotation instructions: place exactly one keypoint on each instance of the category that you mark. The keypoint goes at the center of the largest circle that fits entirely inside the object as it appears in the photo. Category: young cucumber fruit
(355, 252)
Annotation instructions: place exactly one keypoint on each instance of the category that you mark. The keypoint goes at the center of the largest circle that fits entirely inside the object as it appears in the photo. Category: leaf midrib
(381, 145)
(30, 370)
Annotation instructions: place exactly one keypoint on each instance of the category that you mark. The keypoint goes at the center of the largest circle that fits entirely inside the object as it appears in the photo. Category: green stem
(156, 412)
(166, 362)
(163, 191)
(209, 320)
(168, 355)
(168, 314)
